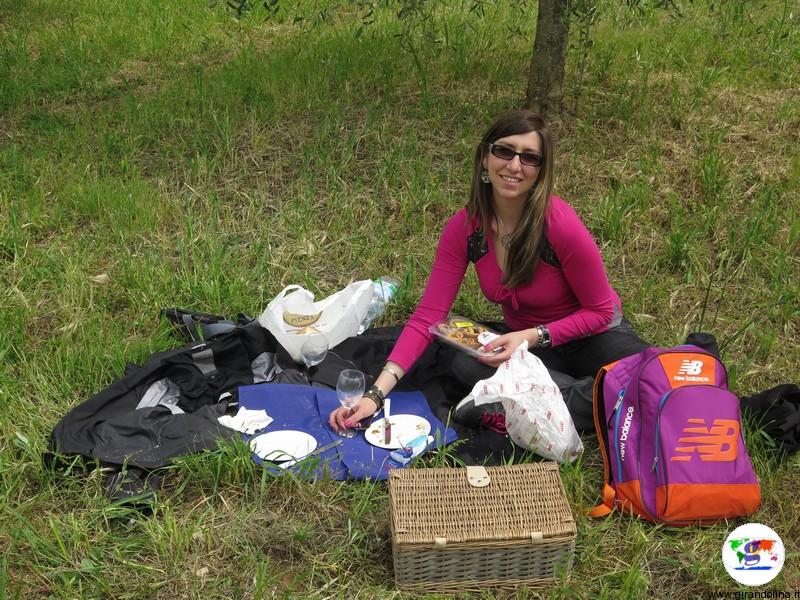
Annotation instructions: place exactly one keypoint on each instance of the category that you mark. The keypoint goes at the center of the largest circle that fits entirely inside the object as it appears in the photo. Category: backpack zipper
(663, 471)
(617, 415)
(658, 430)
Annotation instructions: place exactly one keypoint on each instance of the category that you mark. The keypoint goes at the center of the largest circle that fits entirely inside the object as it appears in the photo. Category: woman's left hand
(508, 342)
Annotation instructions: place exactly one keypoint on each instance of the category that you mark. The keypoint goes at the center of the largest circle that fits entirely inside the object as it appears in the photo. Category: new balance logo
(718, 443)
(693, 372)
(690, 367)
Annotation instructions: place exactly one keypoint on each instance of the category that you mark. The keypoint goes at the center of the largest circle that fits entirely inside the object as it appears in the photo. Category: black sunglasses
(526, 158)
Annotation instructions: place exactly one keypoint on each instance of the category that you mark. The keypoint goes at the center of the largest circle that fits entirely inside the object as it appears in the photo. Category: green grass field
(158, 154)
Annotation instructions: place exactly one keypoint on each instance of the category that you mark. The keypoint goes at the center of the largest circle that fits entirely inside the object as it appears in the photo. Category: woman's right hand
(505, 345)
(348, 418)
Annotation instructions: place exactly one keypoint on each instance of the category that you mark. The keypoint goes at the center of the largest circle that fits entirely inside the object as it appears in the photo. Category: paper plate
(287, 444)
(404, 429)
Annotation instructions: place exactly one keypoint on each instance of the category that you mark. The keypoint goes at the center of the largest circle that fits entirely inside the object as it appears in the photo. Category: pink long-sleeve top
(573, 299)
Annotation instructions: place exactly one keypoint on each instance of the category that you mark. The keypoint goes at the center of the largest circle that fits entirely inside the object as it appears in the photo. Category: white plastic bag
(536, 417)
(340, 315)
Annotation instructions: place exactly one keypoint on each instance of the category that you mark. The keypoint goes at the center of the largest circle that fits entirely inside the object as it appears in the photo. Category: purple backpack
(671, 438)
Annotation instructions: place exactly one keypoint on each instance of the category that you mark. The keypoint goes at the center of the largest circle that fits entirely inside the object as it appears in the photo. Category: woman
(535, 258)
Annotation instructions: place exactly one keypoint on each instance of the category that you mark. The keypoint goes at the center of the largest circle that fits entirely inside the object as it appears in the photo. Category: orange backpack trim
(687, 500)
(629, 497)
(607, 504)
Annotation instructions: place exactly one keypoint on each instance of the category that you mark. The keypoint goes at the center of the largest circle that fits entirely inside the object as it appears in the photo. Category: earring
(485, 176)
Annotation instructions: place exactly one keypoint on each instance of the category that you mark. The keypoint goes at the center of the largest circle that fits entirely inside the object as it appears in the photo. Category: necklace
(505, 238)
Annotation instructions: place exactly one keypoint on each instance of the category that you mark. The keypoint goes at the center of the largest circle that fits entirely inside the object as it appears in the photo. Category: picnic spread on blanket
(669, 455)
(303, 410)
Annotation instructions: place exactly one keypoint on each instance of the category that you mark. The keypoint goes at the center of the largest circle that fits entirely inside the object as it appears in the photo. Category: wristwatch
(544, 340)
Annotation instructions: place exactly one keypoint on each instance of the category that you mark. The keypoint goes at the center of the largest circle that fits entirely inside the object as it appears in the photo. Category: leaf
(68, 328)
(87, 564)
(21, 441)
(21, 296)
(102, 278)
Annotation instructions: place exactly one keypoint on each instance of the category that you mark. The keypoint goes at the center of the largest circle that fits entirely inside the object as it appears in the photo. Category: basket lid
(522, 502)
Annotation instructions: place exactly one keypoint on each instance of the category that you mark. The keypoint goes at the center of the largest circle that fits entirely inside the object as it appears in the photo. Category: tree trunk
(546, 78)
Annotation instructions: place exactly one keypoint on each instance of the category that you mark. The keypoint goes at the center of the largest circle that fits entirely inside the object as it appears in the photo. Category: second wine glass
(314, 349)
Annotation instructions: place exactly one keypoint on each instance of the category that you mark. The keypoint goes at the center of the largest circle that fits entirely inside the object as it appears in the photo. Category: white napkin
(247, 421)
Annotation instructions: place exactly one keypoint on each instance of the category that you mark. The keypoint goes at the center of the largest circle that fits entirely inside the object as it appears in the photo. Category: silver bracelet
(391, 372)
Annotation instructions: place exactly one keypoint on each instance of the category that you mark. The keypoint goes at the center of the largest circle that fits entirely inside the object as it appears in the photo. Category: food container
(465, 529)
(463, 333)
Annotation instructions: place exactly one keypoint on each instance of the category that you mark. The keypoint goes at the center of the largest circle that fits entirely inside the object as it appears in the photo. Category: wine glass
(314, 349)
(349, 389)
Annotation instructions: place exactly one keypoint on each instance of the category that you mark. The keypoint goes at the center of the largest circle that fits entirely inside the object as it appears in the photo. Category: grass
(167, 154)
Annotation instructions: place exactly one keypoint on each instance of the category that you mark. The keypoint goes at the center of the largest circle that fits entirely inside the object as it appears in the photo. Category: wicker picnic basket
(450, 536)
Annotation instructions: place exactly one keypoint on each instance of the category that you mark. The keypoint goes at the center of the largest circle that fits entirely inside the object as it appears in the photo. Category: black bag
(777, 412)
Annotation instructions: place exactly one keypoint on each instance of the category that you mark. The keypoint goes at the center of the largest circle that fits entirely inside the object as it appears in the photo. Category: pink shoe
(494, 422)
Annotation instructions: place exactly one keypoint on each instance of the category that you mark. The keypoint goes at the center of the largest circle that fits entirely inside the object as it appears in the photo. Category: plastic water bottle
(384, 289)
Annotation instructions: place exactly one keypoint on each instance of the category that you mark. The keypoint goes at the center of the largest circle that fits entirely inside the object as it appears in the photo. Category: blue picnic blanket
(306, 408)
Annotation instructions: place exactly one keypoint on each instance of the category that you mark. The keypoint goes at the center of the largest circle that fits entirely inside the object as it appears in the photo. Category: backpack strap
(609, 494)
(211, 329)
(190, 328)
(607, 505)
(199, 326)
(477, 247)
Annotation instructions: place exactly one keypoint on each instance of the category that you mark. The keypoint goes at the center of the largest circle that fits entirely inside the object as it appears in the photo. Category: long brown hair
(527, 240)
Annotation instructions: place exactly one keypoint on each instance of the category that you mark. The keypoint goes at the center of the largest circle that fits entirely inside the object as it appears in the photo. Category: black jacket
(108, 427)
